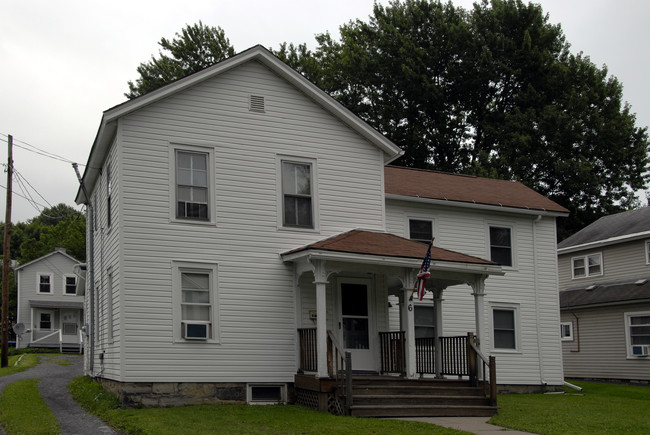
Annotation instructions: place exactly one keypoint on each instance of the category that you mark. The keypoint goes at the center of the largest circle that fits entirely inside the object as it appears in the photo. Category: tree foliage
(195, 48)
(493, 91)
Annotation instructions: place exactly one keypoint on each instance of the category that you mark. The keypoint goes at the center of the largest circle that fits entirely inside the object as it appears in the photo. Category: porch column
(408, 325)
(437, 306)
(478, 291)
(320, 280)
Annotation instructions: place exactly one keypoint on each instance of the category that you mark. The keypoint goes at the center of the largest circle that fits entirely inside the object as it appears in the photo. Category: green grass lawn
(27, 361)
(599, 408)
(23, 411)
(234, 419)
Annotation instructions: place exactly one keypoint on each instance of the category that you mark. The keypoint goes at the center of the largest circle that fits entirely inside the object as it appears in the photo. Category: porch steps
(397, 397)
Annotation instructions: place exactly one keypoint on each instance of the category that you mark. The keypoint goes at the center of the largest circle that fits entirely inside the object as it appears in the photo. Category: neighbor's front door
(70, 325)
(357, 322)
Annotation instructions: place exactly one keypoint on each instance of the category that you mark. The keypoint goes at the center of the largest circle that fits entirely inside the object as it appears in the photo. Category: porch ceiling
(384, 249)
(56, 304)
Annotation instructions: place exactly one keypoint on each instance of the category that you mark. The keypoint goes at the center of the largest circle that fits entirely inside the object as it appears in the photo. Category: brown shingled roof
(463, 188)
(388, 245)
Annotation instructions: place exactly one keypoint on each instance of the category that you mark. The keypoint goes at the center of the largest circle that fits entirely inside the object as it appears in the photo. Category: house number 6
(410, 307)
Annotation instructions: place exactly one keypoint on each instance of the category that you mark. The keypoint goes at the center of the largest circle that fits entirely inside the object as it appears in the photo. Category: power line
(39, 151)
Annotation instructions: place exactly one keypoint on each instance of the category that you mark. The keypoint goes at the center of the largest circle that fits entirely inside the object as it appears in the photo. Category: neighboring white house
(605, 298)
(48, 305)
(237, 206)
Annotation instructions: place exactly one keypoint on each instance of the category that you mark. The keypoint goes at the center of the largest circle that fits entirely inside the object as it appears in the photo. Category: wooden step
(417, 390)
(416, 400)
(422, 411)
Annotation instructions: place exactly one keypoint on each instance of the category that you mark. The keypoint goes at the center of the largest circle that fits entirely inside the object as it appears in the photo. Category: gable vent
(256, 103)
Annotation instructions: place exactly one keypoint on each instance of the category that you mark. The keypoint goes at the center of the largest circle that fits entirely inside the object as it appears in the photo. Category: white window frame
(422, 219)
(569, 336)
(249, 394)
(207, 149)
(178, 268)
(430, 306)
(513, 244)
(51, 313)
(647, 252)
(313, 163)
(65, 284)
(109, 192)
(514, 308)
(628, 336)
(585, 259)
(109, 305)
(38, 283)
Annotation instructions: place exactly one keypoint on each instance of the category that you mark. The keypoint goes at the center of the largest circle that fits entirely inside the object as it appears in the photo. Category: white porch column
(437, 306)
(408, 325)
(478, 291)
(320, 280)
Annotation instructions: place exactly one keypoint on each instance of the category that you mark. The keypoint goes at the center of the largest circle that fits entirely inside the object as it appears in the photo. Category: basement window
(267, 394)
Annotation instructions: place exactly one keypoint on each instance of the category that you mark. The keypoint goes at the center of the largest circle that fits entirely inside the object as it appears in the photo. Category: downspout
(540, 356)
(91, 271)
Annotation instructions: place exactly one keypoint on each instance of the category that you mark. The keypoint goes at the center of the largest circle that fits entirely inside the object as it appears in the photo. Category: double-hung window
(421, 230)
(109, 189)
(504, 323)
(297, 195)
(70, 284)
(195, 299)
(424, 320)
(587, 265)
(501, 245)
(638, 334)
(647, 251)
(566, 331)
(45, 321)
(192, 193)
(44, 283)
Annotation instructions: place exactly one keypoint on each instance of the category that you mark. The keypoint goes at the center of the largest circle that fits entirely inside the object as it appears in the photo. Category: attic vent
(256, 103)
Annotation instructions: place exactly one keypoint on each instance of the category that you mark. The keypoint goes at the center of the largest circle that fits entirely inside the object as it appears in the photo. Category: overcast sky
(63, 62)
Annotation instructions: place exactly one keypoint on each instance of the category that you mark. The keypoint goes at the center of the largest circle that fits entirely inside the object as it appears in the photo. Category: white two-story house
(244, 228)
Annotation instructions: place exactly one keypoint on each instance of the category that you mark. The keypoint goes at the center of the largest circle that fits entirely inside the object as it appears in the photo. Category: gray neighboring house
(48, 305)
(604, 275)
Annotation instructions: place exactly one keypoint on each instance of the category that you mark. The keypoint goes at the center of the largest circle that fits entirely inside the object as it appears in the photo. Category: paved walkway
(477, 425)
(54, 391)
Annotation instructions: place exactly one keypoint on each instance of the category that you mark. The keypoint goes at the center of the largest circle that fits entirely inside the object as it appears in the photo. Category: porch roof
(377, 247)
(56, 304)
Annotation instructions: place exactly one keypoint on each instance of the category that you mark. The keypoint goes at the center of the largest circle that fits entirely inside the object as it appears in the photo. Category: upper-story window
(647, 252)
(501, 245)
(109, 189)
(70, 282)
(566, 331)
(44, 283)
(297, 195)
(421, 230)
(192, 196)
(587, 265)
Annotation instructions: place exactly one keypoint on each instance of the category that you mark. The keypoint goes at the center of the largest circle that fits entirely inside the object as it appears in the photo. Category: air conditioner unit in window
(195, 331)
(641, 350)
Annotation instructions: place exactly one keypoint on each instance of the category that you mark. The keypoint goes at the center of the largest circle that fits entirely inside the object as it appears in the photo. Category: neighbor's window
(587, 265)
(70, 285)
(420, 230)
(424, 321)
(297, 195)
(504, 328)
(638, 333)
(566, 331)
(192, 185)
(647, 252)
(501, 245)
(45, 283)
(109, 189)
(45, 321)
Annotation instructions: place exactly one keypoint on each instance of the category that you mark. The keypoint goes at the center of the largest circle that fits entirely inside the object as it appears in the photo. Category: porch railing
(308, 350)
(392, 352)
(454, 356)
(488, 375)
(425, 360)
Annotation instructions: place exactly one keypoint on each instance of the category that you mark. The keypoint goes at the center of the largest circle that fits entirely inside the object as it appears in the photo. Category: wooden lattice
(334, 406)
(306, 398)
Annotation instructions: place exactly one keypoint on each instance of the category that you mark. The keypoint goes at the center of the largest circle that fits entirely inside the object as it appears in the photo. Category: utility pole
(6, 259)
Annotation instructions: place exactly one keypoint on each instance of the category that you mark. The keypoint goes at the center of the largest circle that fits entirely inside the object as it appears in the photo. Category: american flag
(424, 273)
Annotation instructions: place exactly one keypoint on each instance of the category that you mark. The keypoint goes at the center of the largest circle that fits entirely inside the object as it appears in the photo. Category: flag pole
(415, 285)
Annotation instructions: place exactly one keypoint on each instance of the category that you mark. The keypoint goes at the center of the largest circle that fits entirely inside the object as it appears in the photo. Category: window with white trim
(109, 305)
(44, 283)
(504, 323)
(421, 230)
(192, 192)
(638, 334)
(587, 265)
(566, 331)
(501, 245)
(195, 315)
(647, 252)
(70, 284)
(298, 193)
(109, 189)
(45, 320)
(424, 320)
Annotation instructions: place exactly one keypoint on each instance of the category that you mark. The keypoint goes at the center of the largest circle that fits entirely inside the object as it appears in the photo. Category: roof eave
(604, 242)
(475, 205)
(605, 304)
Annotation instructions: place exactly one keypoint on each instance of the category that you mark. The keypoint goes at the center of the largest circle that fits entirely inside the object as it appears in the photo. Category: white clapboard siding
(256, 296)
(538, 356)
(598, 349)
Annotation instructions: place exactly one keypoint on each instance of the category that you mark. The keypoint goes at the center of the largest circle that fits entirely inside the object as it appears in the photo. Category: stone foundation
(165, 394)
(527, 389)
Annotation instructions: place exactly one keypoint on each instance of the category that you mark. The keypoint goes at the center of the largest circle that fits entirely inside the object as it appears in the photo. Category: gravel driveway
(54, 391)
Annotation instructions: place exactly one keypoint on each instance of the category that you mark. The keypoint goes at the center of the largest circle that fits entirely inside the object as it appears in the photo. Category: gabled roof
(616, 292)
(258, 53)
(371, 243)
(55, 252)
(610, 229)
(464, 190)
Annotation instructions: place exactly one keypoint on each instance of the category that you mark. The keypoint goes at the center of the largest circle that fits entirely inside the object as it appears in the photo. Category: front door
(357, 322)
(70, 325)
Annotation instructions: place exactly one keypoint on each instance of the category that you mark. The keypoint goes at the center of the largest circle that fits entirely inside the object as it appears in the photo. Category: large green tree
(493, 91)
(195, 48)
